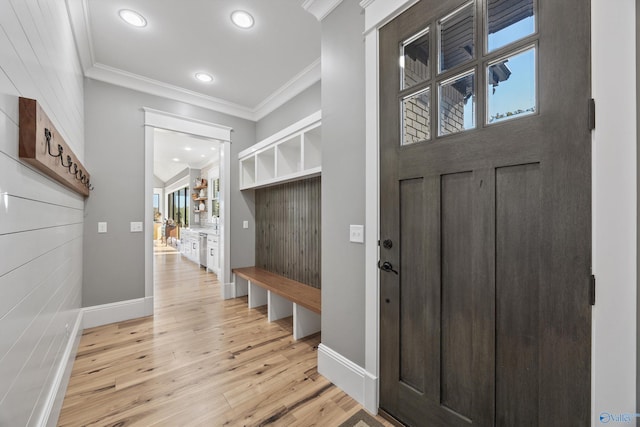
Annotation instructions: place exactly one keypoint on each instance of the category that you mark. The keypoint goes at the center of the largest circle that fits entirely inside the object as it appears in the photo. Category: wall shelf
(293, 153)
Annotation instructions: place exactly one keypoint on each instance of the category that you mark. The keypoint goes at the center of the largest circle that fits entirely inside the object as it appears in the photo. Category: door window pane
(508, 21)
(456, 100)
(414, 60)
(511, 86)
(416, 118)
(456, 37)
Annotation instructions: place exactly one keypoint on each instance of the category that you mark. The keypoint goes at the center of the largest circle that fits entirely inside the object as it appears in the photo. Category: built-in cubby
(291, 154)
(289, 158)
(312, 149)
(266, 164)
(248, 171)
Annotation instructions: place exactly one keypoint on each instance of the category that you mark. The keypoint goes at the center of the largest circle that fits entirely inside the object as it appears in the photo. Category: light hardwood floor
(200, 360)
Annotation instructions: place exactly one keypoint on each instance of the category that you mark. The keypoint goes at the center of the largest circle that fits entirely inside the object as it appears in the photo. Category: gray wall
(343, 180)
(40, 220)
(158, 183)
(177, 177)
(299, 107)
(115, 158)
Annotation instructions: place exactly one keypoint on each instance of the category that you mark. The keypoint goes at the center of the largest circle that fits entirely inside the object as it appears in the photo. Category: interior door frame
(614, 165)
(156, 119)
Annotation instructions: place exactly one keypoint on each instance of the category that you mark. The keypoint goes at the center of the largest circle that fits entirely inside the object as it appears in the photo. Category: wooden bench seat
(284, 297)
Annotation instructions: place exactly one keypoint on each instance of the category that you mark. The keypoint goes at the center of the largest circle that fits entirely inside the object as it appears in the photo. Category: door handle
(387, 266)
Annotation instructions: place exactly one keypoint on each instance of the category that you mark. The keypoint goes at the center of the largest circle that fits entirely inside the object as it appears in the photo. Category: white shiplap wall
(40, 221)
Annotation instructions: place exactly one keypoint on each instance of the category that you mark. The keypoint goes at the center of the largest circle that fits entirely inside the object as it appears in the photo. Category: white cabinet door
(195, 250)
(213, 259)
(210, 253)
(215, 254)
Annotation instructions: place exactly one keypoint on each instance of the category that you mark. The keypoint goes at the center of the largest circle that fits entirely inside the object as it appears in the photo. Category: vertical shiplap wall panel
(41, 221)
(288, 230)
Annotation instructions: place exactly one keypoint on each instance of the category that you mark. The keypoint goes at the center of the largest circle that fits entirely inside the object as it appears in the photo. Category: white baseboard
(229, 290)
(350, 377)
(242, 288)
(53, 404)
(104, 314)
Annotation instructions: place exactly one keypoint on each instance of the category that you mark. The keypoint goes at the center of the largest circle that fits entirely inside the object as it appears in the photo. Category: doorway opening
(186, 177)
(188, 201)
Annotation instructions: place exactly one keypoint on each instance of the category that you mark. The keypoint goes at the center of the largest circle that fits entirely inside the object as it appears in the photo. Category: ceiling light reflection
(242, 19)
(133, 18)
(204, 77)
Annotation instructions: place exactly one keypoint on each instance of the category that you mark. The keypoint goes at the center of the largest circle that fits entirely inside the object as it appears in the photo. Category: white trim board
(99, 315)
(348, 376)
(53, 405)
(170, 121)
(320, 8)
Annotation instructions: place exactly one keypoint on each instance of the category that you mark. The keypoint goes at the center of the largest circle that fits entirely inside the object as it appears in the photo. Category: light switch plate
(356, 233)
(136, 227)
(102, 227)
(245, 224)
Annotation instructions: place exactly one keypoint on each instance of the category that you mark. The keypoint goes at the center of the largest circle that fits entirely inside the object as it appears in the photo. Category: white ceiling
(255, 70)
(190, 152)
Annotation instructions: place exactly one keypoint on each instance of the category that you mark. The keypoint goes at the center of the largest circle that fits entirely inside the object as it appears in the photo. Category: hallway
(199, 361)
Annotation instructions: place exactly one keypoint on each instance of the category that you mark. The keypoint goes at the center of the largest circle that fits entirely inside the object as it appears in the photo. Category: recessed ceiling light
(202, 155)
(204, 77)
(133, 18)
(187, 148)
(242, 19)
(175, 159)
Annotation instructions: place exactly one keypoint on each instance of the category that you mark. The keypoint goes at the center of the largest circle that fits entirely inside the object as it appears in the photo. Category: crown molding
(320, 8)
(365, 3)
(78, 13)
(379, 12)
(302, 81)
(133, 81)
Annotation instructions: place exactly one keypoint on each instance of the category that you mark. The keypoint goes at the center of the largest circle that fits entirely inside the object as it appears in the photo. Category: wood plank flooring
(199, 361)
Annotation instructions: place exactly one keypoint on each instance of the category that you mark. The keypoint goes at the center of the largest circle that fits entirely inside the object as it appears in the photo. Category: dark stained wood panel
(457, 309)
(412, 298)
(288, 230)
(554, 379)
(518, 204)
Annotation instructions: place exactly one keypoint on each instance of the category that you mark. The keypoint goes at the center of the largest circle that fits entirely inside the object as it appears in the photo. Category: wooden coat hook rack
(42, 147)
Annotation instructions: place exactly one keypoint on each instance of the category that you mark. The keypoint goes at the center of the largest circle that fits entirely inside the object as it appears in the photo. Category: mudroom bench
(284, 297)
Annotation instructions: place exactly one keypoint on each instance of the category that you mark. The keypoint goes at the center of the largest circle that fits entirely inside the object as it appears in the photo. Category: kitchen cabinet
(190, 245)
(213, 253)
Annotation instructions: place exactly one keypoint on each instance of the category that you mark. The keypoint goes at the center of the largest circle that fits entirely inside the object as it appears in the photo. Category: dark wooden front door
(485, 169)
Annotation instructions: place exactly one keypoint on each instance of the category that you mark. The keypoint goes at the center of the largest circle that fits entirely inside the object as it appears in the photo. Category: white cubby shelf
(291, 154)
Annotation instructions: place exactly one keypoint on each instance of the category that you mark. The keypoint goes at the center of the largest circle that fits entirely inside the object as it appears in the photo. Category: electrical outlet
(245, 224)
(136, 227)
(356, 233)
(102, 227)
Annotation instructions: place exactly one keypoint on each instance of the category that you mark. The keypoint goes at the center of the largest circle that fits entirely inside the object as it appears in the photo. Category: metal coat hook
(77, 172)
